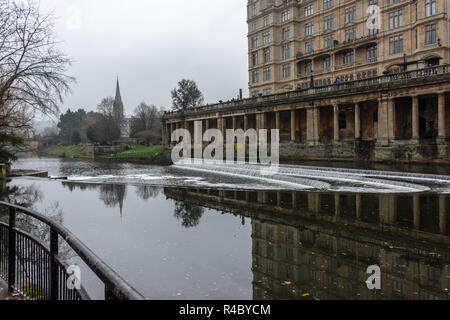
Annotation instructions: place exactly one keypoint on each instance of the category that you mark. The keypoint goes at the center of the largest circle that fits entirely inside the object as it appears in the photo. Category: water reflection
(319, 245)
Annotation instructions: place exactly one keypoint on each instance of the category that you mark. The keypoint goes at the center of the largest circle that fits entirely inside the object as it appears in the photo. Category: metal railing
(36, 270)
(401, 78)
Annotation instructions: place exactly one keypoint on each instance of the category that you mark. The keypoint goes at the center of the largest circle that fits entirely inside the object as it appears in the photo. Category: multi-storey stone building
(378, 94)
(300, 43)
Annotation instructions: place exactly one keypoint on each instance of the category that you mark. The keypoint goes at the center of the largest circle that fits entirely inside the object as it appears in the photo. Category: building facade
(300, 43)
(382, 96)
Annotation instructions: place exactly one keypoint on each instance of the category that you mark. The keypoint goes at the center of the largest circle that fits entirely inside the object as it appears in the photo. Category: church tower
(118, 105)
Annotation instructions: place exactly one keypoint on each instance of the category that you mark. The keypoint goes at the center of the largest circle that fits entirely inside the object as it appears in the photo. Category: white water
(248, 177)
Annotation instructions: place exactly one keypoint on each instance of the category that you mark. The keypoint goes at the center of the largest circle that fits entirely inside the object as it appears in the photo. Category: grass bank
(73, 152)
(138, 152)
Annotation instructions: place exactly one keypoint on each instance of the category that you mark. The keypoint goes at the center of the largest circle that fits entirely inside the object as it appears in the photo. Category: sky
(151, 45)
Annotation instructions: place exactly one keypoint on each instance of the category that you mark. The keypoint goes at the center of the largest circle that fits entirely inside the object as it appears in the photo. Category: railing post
(54, 276)
(109, 295)
(12, 250)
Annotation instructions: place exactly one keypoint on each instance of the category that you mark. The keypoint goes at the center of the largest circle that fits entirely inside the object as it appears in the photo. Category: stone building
(297, 44)
(378, 95)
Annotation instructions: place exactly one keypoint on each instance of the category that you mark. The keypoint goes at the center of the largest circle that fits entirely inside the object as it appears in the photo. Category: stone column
(391, 119)
(336, 122)
(258, 122)
(294, 200)
(310, 137)
(443, 214)
(441, 115)
(337, 205)
(383, 134)
(358, 206)
(415, 117)
(234, 123)
(263, 120)
(206, 124)
(245, 122)
(416, 210)
(293, 126)
(277, 120)
(357, 121)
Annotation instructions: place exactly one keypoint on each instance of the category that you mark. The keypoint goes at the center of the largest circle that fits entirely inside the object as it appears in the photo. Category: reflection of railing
(366, 84)
(36, 271)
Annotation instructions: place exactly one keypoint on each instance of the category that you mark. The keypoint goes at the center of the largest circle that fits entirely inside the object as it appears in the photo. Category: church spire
(118, 104)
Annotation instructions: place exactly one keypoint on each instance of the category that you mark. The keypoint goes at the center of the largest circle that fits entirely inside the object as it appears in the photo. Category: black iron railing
(36, 270)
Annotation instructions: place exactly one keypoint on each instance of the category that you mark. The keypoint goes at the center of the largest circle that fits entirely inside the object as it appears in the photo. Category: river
(227, 232)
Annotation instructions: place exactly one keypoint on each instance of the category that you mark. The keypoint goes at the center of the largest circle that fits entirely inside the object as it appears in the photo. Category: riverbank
(155, 155)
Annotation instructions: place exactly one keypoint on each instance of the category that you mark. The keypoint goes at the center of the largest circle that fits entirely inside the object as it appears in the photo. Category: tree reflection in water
(190, 214)
(148, 192)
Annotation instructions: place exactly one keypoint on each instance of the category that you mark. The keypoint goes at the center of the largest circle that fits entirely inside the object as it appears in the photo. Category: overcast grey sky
(151, 45)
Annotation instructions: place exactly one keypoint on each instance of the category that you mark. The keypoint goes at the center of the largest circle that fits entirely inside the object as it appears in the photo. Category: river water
(229, 232)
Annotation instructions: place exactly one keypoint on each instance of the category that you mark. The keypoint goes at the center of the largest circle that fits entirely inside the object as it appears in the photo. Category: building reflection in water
(319, 245)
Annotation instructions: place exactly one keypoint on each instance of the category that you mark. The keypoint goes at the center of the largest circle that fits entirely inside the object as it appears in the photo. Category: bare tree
(145, 116)
(106, 107)
(187, 95)
(32, 69)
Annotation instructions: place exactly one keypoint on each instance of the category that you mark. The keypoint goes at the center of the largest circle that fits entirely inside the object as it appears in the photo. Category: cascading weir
(320, 178)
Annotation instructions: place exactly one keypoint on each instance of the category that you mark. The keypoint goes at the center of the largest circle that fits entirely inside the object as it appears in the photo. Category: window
(286, 71)
(267, 91)
(327, 63)
(266, 55)
(253, 26)
(309, 46)
(255, 77)
(285, 16)
(255, 42)
(308, 67)
(430, 34)
(328, 22)
(254, 59)
(395, 19)
(266, 74)
(430, 7)
(309, 10)
(349, 57)
(372, 52)
(286, 33)
(286, 52)
(328, 41)
(253, 11)
(266, 21)
(350, 14)
(266, 37)
(327, 4)
(309, 28)
(396, 44)
(350, 34)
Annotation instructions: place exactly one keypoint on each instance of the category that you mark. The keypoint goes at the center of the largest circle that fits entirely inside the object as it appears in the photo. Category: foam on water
(242, 176)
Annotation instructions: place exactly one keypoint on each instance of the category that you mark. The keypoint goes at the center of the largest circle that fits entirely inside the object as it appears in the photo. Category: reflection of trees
(81, 186)
(113, 195)
(147, 192)
(189, 214)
